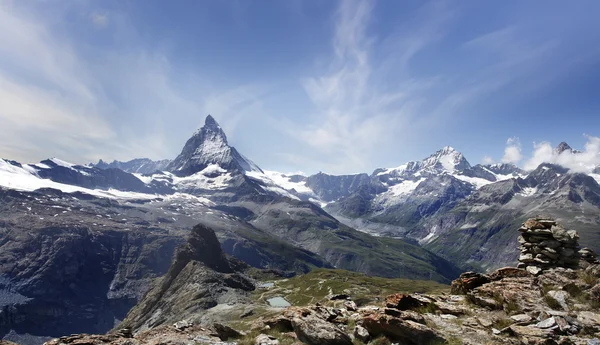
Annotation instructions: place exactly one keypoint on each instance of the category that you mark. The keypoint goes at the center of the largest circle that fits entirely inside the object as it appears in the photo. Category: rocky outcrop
(200, 277)
(545, 244)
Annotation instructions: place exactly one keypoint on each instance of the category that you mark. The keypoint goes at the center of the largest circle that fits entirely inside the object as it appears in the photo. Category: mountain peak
(562, 147)
(209, 146)
(211, 122)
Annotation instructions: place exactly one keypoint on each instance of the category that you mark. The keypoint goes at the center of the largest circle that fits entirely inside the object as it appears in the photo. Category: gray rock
(561, 297)
(314, 331)
(521, 318)
(264, 339)
(593, 341)
(350, 305)
(361, 334)
(547, 323)
(534, 270)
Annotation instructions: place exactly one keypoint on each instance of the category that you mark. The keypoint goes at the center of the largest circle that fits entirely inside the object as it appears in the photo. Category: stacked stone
(545, 244)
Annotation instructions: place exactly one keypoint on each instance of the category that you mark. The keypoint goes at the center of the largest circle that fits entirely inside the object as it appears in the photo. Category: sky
(333, 86)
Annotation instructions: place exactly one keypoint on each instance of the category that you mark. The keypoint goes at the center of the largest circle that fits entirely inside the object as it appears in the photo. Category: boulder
(404, 331)
(467, 282)
(313, 330)
(225, 332)
(350, 306)
(361, 334)
(264, 339)
(508, 272)
(405, 301)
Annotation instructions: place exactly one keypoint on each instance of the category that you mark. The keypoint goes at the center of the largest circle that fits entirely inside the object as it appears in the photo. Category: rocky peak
(562, 147)
(209, 146)
(200, 278)
(446, 159)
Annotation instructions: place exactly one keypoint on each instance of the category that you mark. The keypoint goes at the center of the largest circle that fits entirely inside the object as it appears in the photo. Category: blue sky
(341, 87)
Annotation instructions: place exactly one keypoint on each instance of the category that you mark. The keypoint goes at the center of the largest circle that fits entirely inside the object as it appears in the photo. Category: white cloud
(512, 151)
(82, 102)
(584, 161)
(487, 160)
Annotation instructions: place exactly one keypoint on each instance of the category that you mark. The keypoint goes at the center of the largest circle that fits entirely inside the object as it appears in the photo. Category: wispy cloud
(80, 102)
(358, 108)
(99, 19)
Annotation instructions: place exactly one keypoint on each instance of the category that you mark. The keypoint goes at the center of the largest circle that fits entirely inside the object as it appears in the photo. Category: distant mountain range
(79, 244)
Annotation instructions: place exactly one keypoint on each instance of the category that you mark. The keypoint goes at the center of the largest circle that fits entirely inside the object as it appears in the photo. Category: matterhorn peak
(210, 122)
(209, 146)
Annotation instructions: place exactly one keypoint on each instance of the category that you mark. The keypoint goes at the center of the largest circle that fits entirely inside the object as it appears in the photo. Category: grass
(250, 338)
(502, 323)
(587, 277)
(316, 285)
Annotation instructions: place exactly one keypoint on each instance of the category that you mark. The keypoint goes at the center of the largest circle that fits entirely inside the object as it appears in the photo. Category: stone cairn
(545, 244)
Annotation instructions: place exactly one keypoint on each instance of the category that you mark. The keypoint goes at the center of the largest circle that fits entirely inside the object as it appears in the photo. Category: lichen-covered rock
(313, 330)
(467, 282)
(395, 328)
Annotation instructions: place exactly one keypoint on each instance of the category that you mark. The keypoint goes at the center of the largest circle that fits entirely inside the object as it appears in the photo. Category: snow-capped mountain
(138, 165)
(445, 160)
(209, 146)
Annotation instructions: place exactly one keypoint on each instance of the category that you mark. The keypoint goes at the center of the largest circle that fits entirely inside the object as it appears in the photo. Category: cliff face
(201, 277)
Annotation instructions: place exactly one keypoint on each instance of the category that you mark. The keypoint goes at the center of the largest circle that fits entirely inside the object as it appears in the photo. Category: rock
(225, 332)
(533, 224)
(508, 272)
(350, 305)
(496, 331)
(405, 315)
(450, 308)
(526, 258)
(247, 313)
(521, 318)
(534, 270)
(181, 325)
(547, 323)
(588, 318)
(528, 331)
(405, 302)
(264, 339)
(280, 323)
(361, 334)
(397, 329)
(485, 322)
(339, 296)
(467, 282)
(561, 297)
(315, 331)
(125, 332)
(593, 341)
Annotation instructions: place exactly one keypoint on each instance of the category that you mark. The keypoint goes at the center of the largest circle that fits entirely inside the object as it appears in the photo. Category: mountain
(79, 244)
(477, 230)
(564, 147)
(201, 277)
(138, 165)
(208, 146)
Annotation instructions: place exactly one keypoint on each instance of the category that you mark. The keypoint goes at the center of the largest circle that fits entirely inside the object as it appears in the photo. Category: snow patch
(528, 191)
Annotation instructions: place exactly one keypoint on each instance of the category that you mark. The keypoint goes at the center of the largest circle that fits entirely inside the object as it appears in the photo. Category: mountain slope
(138, 165)
(201, 277)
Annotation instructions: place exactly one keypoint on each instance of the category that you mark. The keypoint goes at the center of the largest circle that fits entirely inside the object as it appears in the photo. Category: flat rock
(528, 331)
(521, 318)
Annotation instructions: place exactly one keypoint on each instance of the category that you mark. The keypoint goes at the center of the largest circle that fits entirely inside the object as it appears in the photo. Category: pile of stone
(545, 244)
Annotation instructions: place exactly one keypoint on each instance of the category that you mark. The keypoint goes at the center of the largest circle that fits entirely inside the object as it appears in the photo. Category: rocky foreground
(552, 305)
